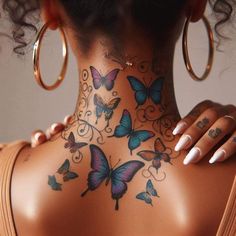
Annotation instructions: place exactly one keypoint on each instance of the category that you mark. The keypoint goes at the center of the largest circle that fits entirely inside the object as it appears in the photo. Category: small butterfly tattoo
(106, 108)
(157, 156)
(52, 182)
(73, 145)
(125, 129)
(143, 92)
(107, 81)
(148, 194)
(65, 171)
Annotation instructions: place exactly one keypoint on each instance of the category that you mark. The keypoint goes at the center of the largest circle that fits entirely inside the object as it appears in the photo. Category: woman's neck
(139, 82)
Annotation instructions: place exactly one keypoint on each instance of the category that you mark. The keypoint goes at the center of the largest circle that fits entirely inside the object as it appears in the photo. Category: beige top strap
(8, 155)
(228, 222)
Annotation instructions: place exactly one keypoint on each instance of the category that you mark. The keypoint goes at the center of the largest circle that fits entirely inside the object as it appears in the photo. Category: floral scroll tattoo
(102, 171)
(67, 174)
(214, 133)
(203, 123)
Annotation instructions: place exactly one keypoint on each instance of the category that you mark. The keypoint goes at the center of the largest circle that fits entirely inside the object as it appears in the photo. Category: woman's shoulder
(185, 189)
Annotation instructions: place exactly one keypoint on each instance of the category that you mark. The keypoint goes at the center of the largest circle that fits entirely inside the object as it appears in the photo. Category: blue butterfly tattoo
(106, 108)
(150, 191)
(119, 177)
(52, 182)
(65, 171)
(142, 92)
(135, 136)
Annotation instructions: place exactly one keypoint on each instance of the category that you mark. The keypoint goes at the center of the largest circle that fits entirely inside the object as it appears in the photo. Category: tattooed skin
(203, 123)
(138, 116)
(214, 133)
(67, 174)
(234, 139)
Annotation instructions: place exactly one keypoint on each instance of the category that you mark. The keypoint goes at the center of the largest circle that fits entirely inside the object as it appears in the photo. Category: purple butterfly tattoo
(100, 80)
(73, 145)
(119, 177)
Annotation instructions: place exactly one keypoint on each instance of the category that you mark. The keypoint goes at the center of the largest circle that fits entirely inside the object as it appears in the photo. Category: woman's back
(189, 201)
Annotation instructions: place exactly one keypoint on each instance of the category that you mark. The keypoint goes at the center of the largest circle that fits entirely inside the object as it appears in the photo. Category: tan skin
(192, 199)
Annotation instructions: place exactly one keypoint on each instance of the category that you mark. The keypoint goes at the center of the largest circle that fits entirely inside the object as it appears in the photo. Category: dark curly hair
(87, 15)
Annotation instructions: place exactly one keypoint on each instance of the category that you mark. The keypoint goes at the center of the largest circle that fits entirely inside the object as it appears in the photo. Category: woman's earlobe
(48, 14)
(196, 9)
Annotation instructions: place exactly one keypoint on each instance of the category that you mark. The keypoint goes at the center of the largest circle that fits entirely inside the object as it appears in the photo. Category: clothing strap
(228, 222)
(8, 155)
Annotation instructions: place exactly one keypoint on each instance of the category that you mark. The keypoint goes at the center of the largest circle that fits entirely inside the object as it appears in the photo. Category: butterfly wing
(155, 90)
(52, 182)
(71, 140)
(122, 175)
(69, 176)
(140, 90)
(110, 107)
(100, 167)
(100, 105)
(64, 167)
(139, 136)
(97, 78)
(147, 155)
(150, 189)
(125, 126)
(110, 79)
(144, 197)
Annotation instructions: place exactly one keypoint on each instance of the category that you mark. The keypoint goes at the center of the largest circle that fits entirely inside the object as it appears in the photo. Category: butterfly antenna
(83, 194)
(117, 205)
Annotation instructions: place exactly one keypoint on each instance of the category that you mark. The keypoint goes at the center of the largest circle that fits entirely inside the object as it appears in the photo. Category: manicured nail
(183, 142)
(193, 155)
(180, 128)
(219, 155)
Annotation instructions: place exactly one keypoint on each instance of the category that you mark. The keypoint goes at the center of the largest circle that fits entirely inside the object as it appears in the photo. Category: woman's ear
(50, 13)
(196, 9)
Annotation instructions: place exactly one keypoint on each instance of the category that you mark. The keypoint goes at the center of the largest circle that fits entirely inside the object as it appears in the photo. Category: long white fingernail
(183, 142)
(219, 155)
(193, 155)
(180, 128)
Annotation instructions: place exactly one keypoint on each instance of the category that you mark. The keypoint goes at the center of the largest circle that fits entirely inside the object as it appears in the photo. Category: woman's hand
(204, 127)
(39, 137)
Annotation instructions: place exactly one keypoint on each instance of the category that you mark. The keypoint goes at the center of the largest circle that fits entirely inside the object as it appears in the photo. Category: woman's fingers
(221, 128)
(38, 137)
(188, 120)
(225, 151)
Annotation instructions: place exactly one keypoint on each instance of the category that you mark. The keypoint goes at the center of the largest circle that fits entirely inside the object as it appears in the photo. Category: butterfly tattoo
(135, 137)
(118, 177)
(73, 145)
(106, 108)
(148, 194)
(157, 156)
(106, 81)
(52, 182)
(65, 171)
(142, 92)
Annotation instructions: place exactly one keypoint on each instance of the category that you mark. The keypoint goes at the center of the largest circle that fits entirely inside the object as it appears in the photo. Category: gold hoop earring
(186, 54)
(36, 55)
